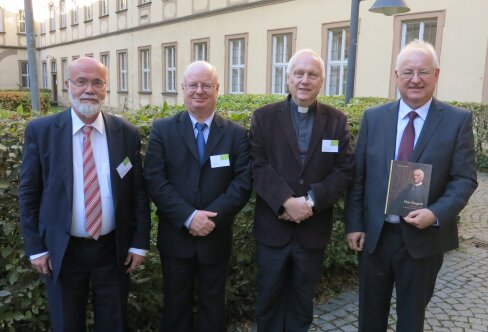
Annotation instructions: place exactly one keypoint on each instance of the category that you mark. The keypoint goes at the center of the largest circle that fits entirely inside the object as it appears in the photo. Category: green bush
(22, 303)
(20, 100)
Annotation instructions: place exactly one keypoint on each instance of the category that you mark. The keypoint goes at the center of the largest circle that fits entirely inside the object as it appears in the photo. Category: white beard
(87, 110)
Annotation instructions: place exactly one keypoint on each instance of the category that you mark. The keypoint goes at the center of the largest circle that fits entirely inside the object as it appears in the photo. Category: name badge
(330, 145)
(124, 167)
(221, 160)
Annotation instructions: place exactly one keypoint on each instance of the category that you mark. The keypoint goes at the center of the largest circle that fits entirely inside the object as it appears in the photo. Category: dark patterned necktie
(408, 138)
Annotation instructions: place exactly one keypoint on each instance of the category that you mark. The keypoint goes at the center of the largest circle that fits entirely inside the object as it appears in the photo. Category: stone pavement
(460, 301)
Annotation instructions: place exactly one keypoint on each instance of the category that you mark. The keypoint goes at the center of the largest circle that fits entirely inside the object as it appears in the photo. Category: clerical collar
(300, 109)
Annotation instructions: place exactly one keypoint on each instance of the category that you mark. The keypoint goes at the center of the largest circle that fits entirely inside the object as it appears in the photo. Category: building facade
(146, 44)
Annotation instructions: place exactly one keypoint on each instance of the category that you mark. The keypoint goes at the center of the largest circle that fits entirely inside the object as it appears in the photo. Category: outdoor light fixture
(389, 7)
(386, 7)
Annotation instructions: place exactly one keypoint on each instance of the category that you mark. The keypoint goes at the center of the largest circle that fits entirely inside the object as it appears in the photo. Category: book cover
(408, 187)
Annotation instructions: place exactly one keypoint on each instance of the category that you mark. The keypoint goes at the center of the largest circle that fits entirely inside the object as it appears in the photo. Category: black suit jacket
(446, 143)
(278, 173)
(178, 185)
(46, 188)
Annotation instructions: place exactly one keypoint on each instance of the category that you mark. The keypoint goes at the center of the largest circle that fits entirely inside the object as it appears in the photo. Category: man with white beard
(84, 210)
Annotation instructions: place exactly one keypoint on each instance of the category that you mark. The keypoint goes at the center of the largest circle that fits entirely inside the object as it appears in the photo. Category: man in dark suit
(198, 174)
(302, 164)
(407, 252)
(84, 210)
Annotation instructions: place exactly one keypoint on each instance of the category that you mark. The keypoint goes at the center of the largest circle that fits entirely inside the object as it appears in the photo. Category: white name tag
(221, 160)
(124, 167)
(330, 145)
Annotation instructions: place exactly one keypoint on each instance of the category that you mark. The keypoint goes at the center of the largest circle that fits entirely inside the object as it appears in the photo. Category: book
(408, 187)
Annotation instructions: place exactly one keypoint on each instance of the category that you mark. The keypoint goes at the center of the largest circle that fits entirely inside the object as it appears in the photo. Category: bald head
(85, 62)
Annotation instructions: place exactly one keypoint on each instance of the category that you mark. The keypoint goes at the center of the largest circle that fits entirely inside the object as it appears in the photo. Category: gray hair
(301, 52)
(418, 45)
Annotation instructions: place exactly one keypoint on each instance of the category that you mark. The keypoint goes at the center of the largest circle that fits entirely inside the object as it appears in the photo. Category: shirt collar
(78, 124)
(422, 111)
(208, 121)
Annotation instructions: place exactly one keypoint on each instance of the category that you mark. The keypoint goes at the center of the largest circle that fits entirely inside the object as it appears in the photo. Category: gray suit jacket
(446, 142)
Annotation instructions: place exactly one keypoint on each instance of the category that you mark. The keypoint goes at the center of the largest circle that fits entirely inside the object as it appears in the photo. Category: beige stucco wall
(463, 55)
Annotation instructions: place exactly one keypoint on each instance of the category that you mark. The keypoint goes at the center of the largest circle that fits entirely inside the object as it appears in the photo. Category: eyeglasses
(192, 87)
(80, 83)
(409, 74)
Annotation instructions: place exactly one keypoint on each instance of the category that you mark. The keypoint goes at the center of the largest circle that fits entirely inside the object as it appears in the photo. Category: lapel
(390, 131)
(286, 123)
(115, 145)
(64, 136)
(184, 128)
(318, 128)
(217, 131)
(431, 123)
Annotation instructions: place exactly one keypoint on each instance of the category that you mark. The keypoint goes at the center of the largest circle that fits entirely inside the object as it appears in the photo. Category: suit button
(301, 181)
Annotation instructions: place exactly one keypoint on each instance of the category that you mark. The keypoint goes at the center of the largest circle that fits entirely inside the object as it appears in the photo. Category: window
(425, 26)
(44, 75)
(142, 2)
(62, 14)
(121, 5)
(335, 52)
(88, 12)
(74, 57)
(64, 70)
(42, 27)
(281, 45)
(2, 19)
(21, 22)
(169, 71)
(105, 60)
(122, 72)
(103, 7)
(53, 66)
(236, 57)
(24, 74)
(74, 12)
(145, 69)
(52, 17)
(200, 49)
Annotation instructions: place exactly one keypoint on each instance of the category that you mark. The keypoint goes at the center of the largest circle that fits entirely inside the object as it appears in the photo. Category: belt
(90, 239)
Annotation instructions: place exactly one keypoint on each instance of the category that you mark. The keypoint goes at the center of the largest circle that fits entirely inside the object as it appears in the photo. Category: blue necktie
(200, 140)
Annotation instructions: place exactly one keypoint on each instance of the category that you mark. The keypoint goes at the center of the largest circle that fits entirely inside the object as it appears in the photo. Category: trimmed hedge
(22, 301)
(20, 100)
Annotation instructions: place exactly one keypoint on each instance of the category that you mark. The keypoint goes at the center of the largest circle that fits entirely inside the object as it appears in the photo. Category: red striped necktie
(93, 202)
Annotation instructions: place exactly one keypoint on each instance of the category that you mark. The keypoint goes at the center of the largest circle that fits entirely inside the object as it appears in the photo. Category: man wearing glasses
(84, 210)
(407, 252)
(198, 174)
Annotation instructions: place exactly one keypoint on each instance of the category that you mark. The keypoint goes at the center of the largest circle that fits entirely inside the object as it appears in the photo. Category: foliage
(22, 302)
(20, 100)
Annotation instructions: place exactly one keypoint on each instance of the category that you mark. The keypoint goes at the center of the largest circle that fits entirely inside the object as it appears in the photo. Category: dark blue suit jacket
(446, 143)
(46, 188)
(178, 185)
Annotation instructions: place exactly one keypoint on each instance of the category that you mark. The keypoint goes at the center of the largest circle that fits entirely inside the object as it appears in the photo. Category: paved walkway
(460, 301)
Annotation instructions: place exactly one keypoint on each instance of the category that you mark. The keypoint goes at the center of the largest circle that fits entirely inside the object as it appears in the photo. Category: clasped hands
(202, 224)
(297, 209)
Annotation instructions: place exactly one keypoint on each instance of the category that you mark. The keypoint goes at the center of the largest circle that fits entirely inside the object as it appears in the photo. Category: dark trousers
(88, 264)
(286, 280)
(179, 276)
(391, 265)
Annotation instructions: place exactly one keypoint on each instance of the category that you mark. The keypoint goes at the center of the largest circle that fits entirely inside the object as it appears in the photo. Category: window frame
(327, 28)
(75, 17)
(24, 75)
(104, 9)
(64, 68)
(2, 19)
(106, 55)
(88, 12)
(270, 67)
(21, 27)
(144, 56)
(62, 14)
(166, 69)
(229, 39)
(122, 75)
(201, 41)
(122, 5)
(398, 21)
(52, 18)
(44, 75)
